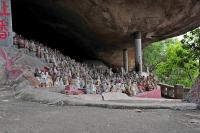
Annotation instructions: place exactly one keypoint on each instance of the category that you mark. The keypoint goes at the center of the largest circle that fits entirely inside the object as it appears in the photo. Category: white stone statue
(148, 70)
(82, 83)
(66, 80)
(104, 86)
(55, 70)
(57, 82)
(88, 88)
(44, 79)
(108, 89)
(110, 72)
(123, 87)
(61, 82)
(134, 88)
(113, 88)
(118, 87)
(70, 73)
(93, 89)
(76, 83)
(54, 61)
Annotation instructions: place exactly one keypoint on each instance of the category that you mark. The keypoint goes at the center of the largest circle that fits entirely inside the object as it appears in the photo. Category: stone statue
(54, 60)
(61, 81)
(50, 81)
(93, 88)
(44, 80)
(57, 82)
(66, 80)
(76, 82)
(82, 83)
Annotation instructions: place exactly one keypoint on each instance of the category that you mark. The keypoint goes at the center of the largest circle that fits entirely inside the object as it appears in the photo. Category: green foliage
(174, 64)
(178, 68)
(154, 54)
(191, 42)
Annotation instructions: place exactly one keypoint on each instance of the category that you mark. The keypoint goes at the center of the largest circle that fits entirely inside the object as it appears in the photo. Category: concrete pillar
(6, 32)
(125, 60)
(138, 51)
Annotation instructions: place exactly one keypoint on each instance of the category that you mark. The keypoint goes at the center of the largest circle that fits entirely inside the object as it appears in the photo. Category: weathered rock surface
(115, 96)
(194, 93)
(100, 29)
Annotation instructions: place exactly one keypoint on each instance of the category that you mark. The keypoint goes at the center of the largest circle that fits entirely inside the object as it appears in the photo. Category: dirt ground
(18, 116)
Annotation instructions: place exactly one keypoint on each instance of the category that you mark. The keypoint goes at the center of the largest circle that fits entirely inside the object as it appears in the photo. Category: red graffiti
(3, 30)
(4, 9)
(12, 71)
(3, 35)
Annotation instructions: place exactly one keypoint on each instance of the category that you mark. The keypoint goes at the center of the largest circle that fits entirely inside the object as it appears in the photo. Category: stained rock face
(103, 28)
(194, 93)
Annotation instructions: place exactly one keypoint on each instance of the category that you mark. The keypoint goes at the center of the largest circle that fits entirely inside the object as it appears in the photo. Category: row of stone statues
(78, 78)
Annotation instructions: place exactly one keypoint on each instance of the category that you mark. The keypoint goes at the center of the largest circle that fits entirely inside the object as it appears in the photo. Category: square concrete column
(125, 59)
(6, 32)
(137, 40)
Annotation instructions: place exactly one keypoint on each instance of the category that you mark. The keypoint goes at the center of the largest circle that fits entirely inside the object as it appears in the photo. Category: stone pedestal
(178, 90)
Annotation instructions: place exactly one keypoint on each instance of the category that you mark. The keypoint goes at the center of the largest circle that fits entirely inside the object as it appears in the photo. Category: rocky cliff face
(103, 28)
(194, 93)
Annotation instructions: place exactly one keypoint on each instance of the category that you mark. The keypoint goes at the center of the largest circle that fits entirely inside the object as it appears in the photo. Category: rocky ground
(17, 116)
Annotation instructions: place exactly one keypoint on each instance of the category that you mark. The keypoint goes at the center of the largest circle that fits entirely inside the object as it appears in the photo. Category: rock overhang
(101, 29)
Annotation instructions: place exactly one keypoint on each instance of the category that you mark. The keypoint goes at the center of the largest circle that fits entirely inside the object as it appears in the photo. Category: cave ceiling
(101, 29)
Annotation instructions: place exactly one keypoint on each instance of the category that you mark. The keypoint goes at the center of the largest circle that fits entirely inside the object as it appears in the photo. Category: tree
(191, 42)
(171, 63)
(155, 53)
(178, 68)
